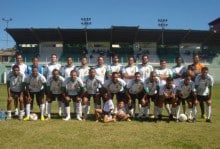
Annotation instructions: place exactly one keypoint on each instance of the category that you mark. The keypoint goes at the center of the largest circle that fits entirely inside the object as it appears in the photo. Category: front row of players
(23, 90)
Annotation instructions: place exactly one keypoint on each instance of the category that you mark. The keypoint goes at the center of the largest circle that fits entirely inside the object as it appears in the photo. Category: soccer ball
(33, 117)
(182, 117)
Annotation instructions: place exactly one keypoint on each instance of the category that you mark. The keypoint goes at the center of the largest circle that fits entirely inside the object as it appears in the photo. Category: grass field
(57, 133)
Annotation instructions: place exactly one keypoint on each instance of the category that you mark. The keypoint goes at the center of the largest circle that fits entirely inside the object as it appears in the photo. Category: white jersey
(22, 67)
(35, 84)
(129, 70)
(184, 89)
(92, 85)
(114, 68)
(151, 87)
(15, 82)
(145, 71)
(178, 70)
(83, 72)
(108, 105)
(137, 86)
(55, 86)
(101, 72)
(120, 110)
(49, 69)
(165, 71)
(166, 90)
(73, 87)
(65, 70)
(203, 85)
(115, 87)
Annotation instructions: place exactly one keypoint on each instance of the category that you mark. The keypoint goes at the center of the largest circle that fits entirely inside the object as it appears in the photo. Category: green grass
(89, 134)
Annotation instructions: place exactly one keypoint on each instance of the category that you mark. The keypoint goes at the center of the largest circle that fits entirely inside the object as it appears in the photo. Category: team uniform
(39, 67)
(118, 88)
(151, 88)
(15, 84)
(203, 87)
(186, 92)
(54, 89)
(35, 86)
(129, 70)
(136, 91)
(65, 70)
(82, 72)
(114, 68)
(73, 89)
(169, 98)
(49, 69)
(101, 72)
(23, 68)
(93, 86)
(165, 71)
(48, 73)
(145, 71)
(178, 73)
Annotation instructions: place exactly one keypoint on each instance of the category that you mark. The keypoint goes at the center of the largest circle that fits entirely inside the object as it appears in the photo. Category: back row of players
(163, 86)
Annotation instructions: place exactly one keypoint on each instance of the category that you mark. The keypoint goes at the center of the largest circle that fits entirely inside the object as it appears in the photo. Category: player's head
(204, 71)
(35, 61)
(83, 60)
(55, 74)
(196, 58)
(179, 60)
(137, 76)
(131, 60)
(153, 75)
(187, 79)
(92, 72)
(53, 58)
(100, 60)
(19, 58)
(163, 63)
(15, 69)
(115, 76)
(34, 71)
(169, 82)
(73, 74)
(115, 58)
(69, 60)
(121, 104)
(145, 59)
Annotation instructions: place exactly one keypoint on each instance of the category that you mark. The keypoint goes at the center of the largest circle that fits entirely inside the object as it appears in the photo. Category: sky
(181, 14)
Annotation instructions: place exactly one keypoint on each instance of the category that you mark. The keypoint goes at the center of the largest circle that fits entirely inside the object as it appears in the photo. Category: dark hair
(15, 67)
(205, 69)
(169, 79)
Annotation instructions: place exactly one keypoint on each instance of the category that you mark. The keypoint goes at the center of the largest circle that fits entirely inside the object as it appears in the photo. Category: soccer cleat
(8, 117)
(16, 112)
(42, 118)
(203, 116)
(208, 120)
(128, 119)
(78, 118)
(67, 118)
(27, 118)
(177, 120)
(60, 113)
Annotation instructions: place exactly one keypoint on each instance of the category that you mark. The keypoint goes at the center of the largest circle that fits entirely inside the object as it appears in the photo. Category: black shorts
(15, 95)
(202, 98)
(59, 97)
(152, 97)
(90, 95)
(39, 96)
(138, 96)
(121, 96)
